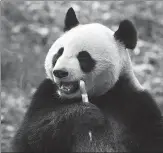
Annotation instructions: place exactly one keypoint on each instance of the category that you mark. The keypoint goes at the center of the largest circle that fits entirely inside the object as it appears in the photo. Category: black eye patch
(57, 55)
(87, 63)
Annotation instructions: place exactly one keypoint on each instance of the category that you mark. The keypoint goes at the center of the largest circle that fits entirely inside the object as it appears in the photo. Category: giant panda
(119, 116)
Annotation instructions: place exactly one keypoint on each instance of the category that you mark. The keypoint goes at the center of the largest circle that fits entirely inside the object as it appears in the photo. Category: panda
(119, 116)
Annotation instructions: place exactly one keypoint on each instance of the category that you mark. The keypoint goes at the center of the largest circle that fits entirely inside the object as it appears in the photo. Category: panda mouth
(68, 87)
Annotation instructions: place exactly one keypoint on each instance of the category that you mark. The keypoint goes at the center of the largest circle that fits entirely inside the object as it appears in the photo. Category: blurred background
(28, 29)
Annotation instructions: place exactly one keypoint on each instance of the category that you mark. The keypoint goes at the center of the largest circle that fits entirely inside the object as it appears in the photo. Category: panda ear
(126, 34)
(70, 19)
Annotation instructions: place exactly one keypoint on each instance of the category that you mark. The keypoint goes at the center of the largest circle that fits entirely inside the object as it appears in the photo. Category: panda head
(90, 52)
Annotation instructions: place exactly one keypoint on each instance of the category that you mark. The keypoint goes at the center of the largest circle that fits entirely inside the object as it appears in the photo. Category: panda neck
(129, 79)
(127, 82)
(127, 87)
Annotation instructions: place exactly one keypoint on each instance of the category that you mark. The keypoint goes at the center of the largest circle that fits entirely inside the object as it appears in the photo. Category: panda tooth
(66, 88)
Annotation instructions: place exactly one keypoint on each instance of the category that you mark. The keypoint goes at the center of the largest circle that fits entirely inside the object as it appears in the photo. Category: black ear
(70, 19)
(127, 34)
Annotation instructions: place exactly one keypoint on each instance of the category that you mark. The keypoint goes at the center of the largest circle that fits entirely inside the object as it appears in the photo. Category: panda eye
(60, 51)
(83, 55)
(57, 55)
(86, 62)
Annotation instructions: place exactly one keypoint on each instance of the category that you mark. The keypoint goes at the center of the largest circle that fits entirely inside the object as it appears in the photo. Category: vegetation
(29, 29)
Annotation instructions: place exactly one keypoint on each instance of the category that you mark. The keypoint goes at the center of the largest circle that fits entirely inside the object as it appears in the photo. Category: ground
(29, 28)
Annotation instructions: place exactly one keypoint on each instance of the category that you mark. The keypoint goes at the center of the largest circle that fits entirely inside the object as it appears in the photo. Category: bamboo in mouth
(83, 92)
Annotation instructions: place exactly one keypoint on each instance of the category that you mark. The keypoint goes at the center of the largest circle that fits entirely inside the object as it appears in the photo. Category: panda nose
(60, 73)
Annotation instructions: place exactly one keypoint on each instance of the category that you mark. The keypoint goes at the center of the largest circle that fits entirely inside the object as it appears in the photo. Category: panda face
(88, 52)
(85, 52)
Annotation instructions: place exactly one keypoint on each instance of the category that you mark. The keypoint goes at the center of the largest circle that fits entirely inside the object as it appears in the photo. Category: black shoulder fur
(121, 120)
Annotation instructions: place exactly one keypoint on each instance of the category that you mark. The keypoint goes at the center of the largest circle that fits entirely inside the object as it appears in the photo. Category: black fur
(87, 63)
(127, 34)
(138, 112)
(57, 55)
(121, 120)
(70, 19)
(52, 124)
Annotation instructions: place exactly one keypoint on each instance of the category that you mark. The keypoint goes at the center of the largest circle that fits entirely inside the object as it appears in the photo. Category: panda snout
(60, 73)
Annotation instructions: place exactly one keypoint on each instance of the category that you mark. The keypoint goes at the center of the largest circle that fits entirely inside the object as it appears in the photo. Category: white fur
(99, 41)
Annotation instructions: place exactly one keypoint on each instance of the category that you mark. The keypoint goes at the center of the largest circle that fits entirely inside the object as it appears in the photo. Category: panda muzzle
(69, 87)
